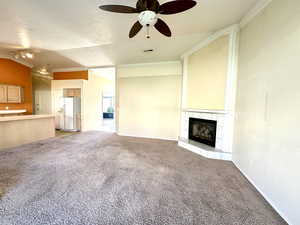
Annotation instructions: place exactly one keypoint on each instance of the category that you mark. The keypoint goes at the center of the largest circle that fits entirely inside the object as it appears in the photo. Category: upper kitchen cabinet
(14, 94)
(3, 93)
(11, 94)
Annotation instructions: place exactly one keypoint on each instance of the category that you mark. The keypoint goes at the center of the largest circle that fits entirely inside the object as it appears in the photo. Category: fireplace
(203, 131)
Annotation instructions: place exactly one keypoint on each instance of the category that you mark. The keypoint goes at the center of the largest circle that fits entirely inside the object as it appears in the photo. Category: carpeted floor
(99, 178)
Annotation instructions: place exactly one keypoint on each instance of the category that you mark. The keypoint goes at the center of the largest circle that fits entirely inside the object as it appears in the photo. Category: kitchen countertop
(27, 117)
(13, 111)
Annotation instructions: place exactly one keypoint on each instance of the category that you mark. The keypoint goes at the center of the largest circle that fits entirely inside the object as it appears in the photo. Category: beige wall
(149, 106)
(267, 143)
(206, 75)
(150, 69)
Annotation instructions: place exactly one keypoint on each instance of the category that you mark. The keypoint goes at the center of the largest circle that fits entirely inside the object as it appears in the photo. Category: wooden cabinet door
(77, 92)
(3, 94)
(72, 92)
(14, 94)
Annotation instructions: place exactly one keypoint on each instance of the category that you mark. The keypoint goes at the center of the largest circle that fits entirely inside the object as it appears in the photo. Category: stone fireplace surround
(220, 151)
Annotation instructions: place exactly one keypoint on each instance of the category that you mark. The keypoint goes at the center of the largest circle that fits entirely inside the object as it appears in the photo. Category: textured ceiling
(73, 33)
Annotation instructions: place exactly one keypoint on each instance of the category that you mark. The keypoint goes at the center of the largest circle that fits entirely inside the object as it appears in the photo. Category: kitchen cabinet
(11, 94)
(14, 94)
(72, 92)
(3, 93)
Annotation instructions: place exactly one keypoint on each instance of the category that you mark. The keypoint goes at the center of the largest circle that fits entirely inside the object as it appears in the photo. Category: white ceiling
(75, 33)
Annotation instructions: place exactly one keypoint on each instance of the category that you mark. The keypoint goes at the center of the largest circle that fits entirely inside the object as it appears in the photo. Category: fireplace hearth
(203, 131)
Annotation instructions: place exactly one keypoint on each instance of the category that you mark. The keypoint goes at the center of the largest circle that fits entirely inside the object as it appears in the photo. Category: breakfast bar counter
(18, 130)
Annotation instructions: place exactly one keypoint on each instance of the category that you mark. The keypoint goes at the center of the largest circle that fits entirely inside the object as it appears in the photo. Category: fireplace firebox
(203, 131)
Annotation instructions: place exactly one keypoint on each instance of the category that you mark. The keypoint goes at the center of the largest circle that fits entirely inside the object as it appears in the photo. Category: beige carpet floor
(99, 178)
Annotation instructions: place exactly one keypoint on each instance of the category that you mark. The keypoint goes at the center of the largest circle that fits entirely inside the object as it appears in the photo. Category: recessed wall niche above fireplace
(203, 131)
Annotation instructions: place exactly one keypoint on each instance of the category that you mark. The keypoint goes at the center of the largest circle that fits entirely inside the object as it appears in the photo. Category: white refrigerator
(72, 114)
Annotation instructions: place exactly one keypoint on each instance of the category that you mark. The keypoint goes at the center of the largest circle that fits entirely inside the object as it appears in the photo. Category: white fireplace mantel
(216, 111)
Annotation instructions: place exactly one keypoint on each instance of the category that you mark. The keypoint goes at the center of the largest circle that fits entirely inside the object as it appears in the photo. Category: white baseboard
(149, 137)
(263, 194)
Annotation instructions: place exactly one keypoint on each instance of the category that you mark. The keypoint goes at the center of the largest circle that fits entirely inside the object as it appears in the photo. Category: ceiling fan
(148, 11)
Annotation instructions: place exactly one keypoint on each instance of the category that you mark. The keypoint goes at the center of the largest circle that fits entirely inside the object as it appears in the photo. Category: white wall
(149, 100)
(267, 143)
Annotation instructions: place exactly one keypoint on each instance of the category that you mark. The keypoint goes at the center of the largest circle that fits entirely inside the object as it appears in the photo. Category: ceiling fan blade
(176, 6)
(163, 28)
(141, 5)
(135, 29)
(118, 8)
(152, 5)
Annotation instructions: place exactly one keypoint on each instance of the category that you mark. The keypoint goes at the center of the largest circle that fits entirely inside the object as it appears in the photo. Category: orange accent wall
(71, 75)
(17, 74)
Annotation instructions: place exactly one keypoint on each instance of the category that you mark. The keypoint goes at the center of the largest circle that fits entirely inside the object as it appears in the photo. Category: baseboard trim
(148, 137)
(262, 193)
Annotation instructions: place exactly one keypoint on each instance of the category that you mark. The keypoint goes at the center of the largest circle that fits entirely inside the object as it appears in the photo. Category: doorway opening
(107, 86)
(108, 111)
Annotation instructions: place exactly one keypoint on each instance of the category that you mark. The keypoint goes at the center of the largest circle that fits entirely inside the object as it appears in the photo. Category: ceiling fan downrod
(148, 31)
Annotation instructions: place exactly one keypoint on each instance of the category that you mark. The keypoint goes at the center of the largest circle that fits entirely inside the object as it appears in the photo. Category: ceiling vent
(148, 50)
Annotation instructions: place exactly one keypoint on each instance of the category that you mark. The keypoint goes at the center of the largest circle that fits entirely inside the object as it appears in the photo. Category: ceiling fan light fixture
(148, 18)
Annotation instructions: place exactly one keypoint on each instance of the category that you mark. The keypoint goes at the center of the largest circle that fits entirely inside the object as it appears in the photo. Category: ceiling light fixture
(25, 54)
(43, 72)
(29, 55)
